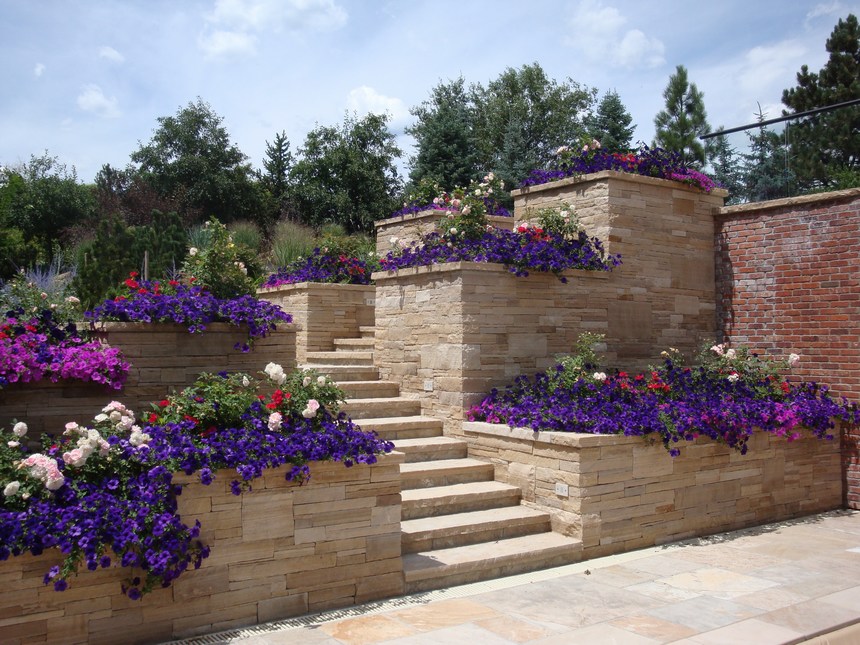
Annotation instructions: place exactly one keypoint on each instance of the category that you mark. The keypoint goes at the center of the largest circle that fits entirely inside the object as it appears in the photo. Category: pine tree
(611, 124)
(683, 121)
(277, 164)
(766, 171)
(828, 144)
(727, 169)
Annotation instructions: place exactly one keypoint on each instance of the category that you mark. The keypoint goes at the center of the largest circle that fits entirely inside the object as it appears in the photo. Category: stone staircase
(458, 524)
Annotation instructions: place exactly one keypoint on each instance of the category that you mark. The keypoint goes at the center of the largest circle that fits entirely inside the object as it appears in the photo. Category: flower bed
(399, 231)
(103, 494)
(322, 266)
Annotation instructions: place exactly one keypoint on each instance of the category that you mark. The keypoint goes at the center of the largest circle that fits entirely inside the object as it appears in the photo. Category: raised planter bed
(281, 550)
(624, 493)
(410, 228)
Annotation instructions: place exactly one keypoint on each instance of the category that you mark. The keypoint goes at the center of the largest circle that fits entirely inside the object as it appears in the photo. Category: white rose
(55, 483)
(467, 209)
(13, 444)
(11, 488)
(306, 381)
(321, 380)
(717, 349)
(453, 230)
(730, 354)
(245, 381)
(275, 420)
(192, 251)
(733, 378)
(599, 376)
(392, 240)
(793, 359)
(20, 429)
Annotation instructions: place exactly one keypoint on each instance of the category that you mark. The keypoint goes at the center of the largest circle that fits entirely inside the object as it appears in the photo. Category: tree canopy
(347, 174)
(827, 144)
(191, 159)
(612, 124)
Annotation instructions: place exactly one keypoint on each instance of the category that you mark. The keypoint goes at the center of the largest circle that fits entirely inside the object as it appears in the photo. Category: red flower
(173, 283)
(785, 387)
(134, 274)
(153, 417)
(142, 291)
(188, 417)
(132, 284)
(163, 403)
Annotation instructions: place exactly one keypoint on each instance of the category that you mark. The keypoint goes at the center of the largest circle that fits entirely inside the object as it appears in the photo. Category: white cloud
(92, 99)
(232, 25)
(821, 10)
(366, 100)
(111, 54)
(600, 33)
(224, 43)
(38, 70)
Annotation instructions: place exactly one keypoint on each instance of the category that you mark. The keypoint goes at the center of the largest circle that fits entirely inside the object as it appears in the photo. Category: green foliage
(346, 174)
(190, 158)
(522, 117)
(247, 234)
(827, 143)
(221, 267)
(612, 124)
(766, 169)
(39, 202)
(42, 288)
(727, 169)
(580, 363)
(291, 241)
(683, 121)
(102, 263)
(275, 181)
(447, 150)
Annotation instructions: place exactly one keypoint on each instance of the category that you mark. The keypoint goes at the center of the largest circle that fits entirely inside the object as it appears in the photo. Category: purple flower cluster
(673, 403)
(323, 266)
(193, 306)
(520, 251)
(125, 500)
(650, 162)
(36, 347)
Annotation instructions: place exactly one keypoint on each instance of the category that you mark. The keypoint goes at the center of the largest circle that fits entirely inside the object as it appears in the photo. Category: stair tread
(527, 548)
(382, 399)
(442, 465)
(416, 419)
(415, 495)
(473, 519)
(427, 442)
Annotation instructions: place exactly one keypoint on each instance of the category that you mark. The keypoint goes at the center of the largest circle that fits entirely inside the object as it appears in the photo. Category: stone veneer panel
(279, 551)
(323, 312)
(163, 357)
(626, 493)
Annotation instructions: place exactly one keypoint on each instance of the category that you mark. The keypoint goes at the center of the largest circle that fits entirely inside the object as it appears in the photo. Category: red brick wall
(788, 280)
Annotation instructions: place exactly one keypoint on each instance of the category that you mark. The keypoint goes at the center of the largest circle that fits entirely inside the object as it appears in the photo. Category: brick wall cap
(788, 202)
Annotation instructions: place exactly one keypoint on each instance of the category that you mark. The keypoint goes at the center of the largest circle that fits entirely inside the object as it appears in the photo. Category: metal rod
(780, 119)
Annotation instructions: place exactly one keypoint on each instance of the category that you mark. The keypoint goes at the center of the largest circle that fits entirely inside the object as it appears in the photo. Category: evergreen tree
(447, 153)
(727, 169)
(278, 162)
(828, 145)
(766, 171)
(611, 124)
(683, 121)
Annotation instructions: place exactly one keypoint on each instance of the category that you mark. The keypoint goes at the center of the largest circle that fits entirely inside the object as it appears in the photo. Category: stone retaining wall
(279, 551)
(624, 493)
(163, 357)
(323, 312)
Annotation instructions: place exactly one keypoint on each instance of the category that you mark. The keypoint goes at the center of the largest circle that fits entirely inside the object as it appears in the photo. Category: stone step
(340, 357)
(460, 529)
(444, 472)
(389, 406)
(426, 570)
(367, 331)
(457, 498)
(430, 448)
(363, 344)
(391, 428)
(341, 373)
(369, 389)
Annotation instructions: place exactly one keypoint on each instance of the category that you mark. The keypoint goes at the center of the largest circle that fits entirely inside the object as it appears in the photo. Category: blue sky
(86, 80)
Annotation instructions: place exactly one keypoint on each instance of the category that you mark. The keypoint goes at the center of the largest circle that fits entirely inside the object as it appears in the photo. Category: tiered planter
(410, 228)
(322, 312)
(163, 357)
(281, 550)
(624, 493)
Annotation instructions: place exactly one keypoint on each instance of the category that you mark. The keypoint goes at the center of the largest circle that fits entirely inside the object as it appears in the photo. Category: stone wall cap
(788, 202)
(304, 286)
(430, 213)
(170, 327)
(616, 174)
(571, 439)
(488, 267)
